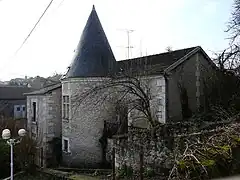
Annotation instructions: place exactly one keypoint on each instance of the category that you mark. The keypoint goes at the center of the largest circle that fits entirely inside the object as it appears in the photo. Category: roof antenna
(128, 31)
(93, 7)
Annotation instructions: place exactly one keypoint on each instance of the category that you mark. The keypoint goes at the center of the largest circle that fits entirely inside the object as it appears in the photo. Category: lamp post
(6, 134)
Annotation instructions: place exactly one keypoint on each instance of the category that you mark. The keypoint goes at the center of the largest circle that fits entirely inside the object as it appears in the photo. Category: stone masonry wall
(157, 151)
(38, 128)
(48, 121)
(154, 87)
(85, 126)
(190, 74)
(54, 118)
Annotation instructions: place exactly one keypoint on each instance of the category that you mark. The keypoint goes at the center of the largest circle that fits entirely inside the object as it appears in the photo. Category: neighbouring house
(13, 101)
(44, 121)
(175, 80)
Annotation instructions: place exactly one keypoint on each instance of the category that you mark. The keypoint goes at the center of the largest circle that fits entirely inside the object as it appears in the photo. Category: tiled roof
(93, 56)
(45, 90)
(153, 64)
(13, 92)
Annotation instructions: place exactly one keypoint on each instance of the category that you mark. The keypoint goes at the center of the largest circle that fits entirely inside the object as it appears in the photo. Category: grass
(28, 177)
(83, 177)
(73, 177)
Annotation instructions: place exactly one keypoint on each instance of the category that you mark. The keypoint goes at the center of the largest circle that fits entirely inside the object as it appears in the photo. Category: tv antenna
(128, 31)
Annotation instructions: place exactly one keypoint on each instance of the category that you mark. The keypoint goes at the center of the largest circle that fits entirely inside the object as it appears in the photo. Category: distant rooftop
(13, 92)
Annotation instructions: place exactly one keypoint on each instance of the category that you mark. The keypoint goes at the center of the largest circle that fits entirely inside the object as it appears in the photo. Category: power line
(25, 40)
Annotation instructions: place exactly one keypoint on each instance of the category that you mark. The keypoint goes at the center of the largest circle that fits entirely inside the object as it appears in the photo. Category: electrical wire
(25, 40)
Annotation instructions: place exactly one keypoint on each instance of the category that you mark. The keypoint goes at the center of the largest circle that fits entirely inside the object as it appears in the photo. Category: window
(65, 145)
(159, 115)
(66, 108)
(23, 108)
(34, 108)
(18, 108)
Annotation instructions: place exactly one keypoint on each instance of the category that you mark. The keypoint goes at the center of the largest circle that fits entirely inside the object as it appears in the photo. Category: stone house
(13, 101)
(81, 124)
(44, 120)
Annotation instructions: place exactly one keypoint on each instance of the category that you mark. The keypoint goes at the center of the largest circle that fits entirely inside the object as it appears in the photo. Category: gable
(187, 57)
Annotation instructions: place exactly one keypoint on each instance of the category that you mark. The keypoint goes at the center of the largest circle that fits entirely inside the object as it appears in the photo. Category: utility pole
(128, 31)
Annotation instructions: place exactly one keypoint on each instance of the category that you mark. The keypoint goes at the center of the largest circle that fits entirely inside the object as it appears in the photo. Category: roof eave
(44, 92)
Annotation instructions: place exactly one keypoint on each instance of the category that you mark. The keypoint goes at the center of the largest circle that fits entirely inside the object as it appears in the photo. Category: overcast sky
(157, 24)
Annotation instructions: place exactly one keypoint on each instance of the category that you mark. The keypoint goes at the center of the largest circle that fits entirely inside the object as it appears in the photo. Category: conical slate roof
(93, 56)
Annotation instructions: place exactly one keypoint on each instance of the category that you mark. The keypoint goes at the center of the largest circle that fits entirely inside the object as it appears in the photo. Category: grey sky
(157, 24)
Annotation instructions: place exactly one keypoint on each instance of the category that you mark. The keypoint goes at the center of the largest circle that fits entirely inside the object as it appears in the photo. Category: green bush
(125, 171)
(149, 172)
(4, 159)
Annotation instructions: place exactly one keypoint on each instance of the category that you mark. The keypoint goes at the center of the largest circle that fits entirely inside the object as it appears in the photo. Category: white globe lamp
(22, 132)
(6, 134)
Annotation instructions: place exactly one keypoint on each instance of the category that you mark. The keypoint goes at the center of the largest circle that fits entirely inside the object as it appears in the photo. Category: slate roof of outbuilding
(153, 64)
(45, 90)
(93, 56)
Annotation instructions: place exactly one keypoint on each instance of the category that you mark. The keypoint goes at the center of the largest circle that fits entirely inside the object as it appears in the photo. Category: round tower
(83, 120)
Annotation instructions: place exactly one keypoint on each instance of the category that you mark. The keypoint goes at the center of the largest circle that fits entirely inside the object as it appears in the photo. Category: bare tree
(169, 49)
(229, 58)
(234, 23)
(127, 91)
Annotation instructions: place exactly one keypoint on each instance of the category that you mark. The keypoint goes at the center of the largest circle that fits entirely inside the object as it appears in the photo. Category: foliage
(209, 156)
(149, 172)
(23, 152)
(4, 159)
(221, 96)
(82, 177)
(125, 171)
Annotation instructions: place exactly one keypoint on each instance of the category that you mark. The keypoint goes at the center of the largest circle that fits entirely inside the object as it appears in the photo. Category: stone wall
(155, 88)
(156, 150)
(190, 75)
(48, 122)
(54, 115)
(85, 125)
(37, 129)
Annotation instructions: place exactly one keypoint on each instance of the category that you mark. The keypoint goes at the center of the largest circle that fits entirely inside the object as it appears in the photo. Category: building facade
(174, 81)
(44, 121)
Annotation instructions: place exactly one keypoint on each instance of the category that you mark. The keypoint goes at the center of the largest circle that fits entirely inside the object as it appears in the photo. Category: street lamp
(6, 134)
